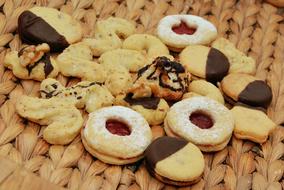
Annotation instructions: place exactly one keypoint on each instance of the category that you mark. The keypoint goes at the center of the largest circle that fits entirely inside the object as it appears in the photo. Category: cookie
(246, 89)
(86, 94)
(174, 161)
(207, 89)
(151, 45)
(202, 121)
(204, 62)
(62, 118)
(47, 25)
(239, 62)
(119, 126)
(162, 78)
(179, 31)
(108, 35)
(132, 60)
(32, 62)
(153, 109)
(251, 124)
(77, 61)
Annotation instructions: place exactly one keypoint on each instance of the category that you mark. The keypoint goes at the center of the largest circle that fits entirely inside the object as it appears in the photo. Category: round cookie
(179, 31)
(204, 62)
(47, 25)
(174, 161)
(119, 126)
(202, 121)
(246, 89)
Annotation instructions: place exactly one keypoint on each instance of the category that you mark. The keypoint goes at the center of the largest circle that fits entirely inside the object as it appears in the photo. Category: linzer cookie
(47, 25)
(116, 135)
(246, 89)
(162, 78)
(204, 62)
(174, 161)
(179, 31)
(202, 121)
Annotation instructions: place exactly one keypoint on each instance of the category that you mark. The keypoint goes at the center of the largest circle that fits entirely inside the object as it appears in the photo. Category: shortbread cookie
(202, 121)
(246, 89)
(132, 60)
(77, 61)
(204, 62)
(86, 94)
(151, 45)
(62, 118)
(239, 62)
(174, 161)
(108, 34)
(207, 89)
(116, 135)
(32, 62)
(179, 31)
(47, 25)
(153, 109)
(162, 78)
(251, 124)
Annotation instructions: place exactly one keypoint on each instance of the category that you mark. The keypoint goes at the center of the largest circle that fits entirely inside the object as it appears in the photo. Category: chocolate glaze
(256, 93)
(217, 66)
(35, 30)
(162, 148)
(146, 102)
(45, 59)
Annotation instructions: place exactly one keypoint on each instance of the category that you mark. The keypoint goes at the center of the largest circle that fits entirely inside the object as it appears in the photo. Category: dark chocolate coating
(48, 68)
(146, 102)
(162, 148)
(35, 30)
(256, 93)
(217, 66)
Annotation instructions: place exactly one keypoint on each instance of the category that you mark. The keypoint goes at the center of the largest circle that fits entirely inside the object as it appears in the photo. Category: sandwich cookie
(202, 121)
(116, 135)
(174, 161)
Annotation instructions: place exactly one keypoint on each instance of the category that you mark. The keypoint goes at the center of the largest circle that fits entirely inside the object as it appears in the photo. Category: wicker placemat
(255, 27)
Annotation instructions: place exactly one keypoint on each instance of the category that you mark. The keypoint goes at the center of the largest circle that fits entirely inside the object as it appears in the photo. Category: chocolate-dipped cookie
(47, 25)
(174, 161)
(246, 89)
(204, 62)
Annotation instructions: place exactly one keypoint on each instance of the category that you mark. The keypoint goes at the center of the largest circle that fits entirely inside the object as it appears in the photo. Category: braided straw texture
(255, 27)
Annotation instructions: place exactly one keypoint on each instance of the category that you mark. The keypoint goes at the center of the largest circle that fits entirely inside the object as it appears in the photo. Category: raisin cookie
(174, 161)
(202, 121)
(251, 124)
(162, 78)
(119, 126)
(86, 94)
(32, 62)
(247, 89)
(179, 31)
(62, 118)
(239, 62)
(204, 62)
(47, 25)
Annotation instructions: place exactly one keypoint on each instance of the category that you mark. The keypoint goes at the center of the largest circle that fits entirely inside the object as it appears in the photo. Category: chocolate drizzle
(35, 30)
(45, 59)
(256, 93)
(217, 66)
(146, 102)
(162, 148)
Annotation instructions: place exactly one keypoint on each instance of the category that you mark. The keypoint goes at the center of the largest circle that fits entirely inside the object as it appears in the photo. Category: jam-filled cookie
(246, 89)
(251, 124)
(47, 25)
(239, 62)
(204, 62)
(116, 135)
(162, 78)
(202, 121)
(179, 31)
(174, 161)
